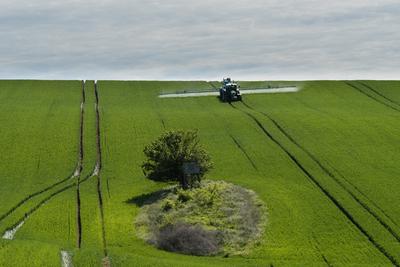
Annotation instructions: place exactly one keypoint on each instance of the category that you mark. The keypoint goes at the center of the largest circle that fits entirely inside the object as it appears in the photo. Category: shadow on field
(148, 198)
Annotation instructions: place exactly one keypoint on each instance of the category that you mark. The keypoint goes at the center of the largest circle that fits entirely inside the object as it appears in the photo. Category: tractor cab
(226, 80)
(229, 91)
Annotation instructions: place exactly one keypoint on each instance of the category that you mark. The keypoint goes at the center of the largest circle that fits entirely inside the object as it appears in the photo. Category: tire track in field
(10, 232)
(243, 151)
(235, 141)
(325, 260)
(27, 214)
(372, 97)
(46, 189)
(317, 247)
(22, 220)
(107, 151)
(379, 93)
(99, 166)
(364, 195)
(332, 176)
(29, 197)
(78, 176)
(315, 181)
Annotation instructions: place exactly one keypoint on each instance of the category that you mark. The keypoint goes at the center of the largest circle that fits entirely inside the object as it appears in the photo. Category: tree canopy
(167, 155)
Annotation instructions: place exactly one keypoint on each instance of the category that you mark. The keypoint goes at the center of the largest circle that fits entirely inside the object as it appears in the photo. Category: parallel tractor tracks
(234, 139)
(336, 179)
(379, 93)
(315, 181)
(76, 181)
(75, 175)
(33, 195)
(375, 95)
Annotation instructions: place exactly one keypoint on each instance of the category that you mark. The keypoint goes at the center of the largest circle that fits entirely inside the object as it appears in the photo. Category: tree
(167, 155)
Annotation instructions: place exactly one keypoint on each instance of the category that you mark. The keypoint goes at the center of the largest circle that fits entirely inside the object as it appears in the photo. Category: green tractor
(229, 91)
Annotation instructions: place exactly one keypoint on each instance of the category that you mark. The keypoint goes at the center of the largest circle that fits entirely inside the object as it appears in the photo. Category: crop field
(325, 161)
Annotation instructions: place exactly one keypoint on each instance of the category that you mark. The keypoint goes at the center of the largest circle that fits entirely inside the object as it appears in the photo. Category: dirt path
(315, 181)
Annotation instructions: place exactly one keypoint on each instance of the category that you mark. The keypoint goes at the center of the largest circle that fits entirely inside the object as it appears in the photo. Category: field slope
(324, 160)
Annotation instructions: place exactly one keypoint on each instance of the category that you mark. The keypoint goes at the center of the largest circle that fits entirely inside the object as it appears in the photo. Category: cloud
(177, 39)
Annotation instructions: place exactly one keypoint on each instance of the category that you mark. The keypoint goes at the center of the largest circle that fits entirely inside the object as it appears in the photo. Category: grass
(324, 160)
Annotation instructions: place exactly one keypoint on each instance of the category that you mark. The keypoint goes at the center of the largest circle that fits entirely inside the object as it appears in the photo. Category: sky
(199, 40)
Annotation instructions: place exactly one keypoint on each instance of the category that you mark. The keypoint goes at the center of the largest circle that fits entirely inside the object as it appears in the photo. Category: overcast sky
(207, 39)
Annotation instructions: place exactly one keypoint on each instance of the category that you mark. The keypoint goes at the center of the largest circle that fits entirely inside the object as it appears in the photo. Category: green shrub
(166, 156)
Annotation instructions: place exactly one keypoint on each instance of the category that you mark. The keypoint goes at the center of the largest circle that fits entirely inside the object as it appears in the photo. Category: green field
(325, 160)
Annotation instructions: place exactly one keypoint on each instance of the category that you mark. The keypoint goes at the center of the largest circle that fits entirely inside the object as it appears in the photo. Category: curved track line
(323, 189)
(42, 202)
(37, 206)
(29, 197)
(76, 174)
